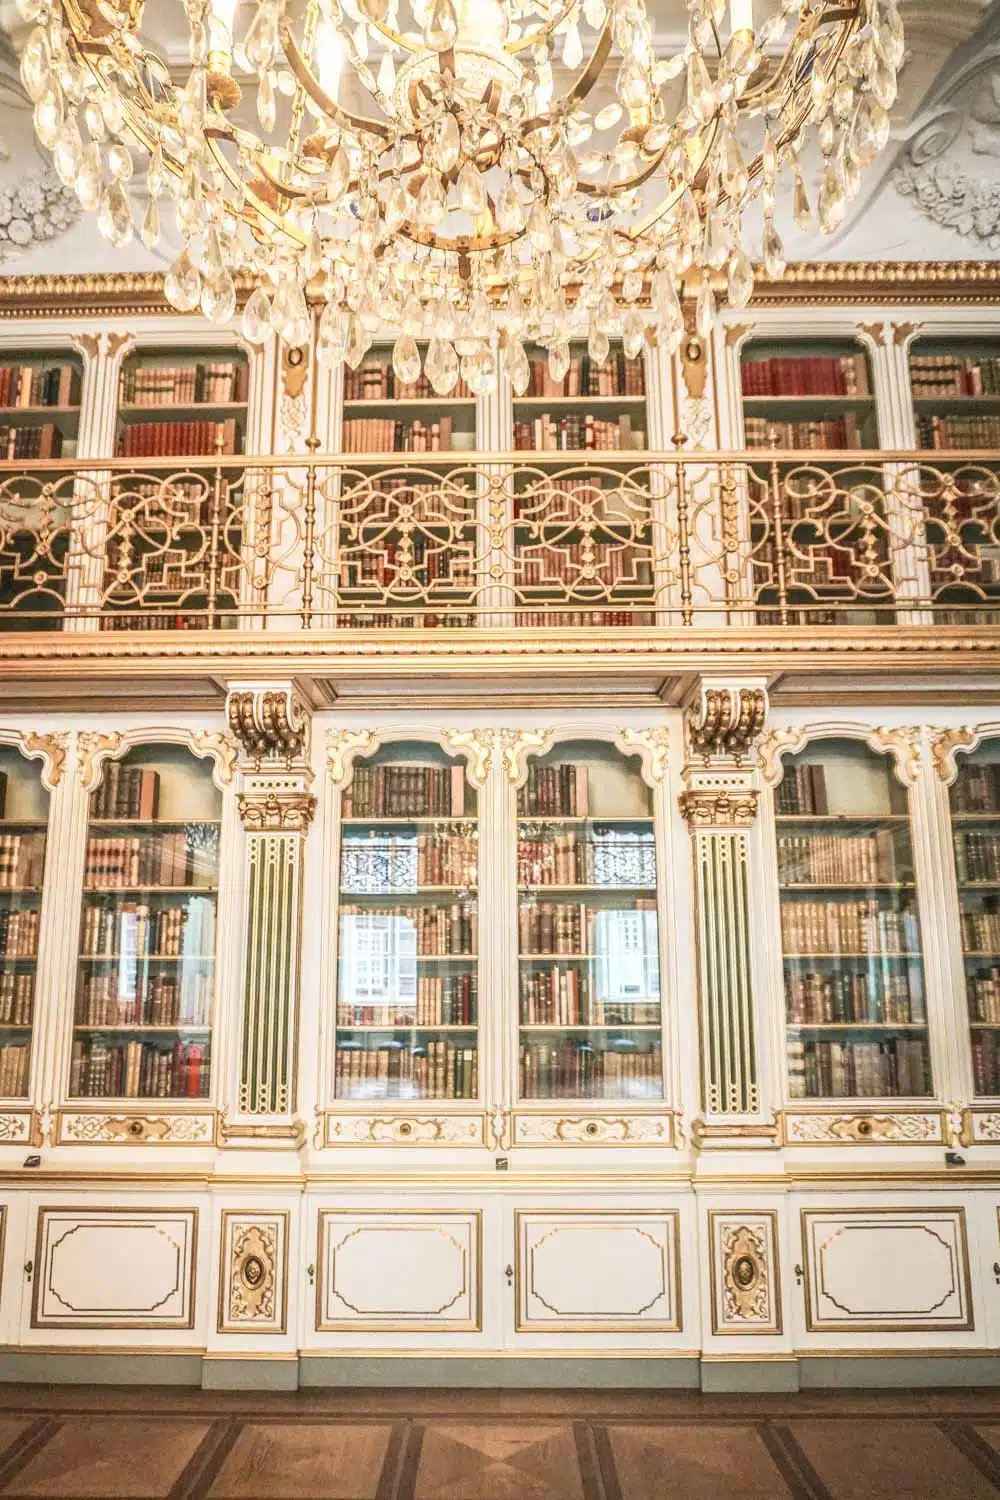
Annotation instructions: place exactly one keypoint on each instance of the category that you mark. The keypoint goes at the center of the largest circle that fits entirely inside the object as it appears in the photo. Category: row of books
(986, 1063)
(594, 565)
(573, 619)
(204, 383)
(959, 430)
(835, 859)
(375, 501)
(877, 995)
(802, 789)
(394, 1070)
(577, 1069)
(977, 855)
(845, 927)
(622, 860)
(816, 435)
(558, 498)
(396, 863)
(144, 931)
(17, 994)
(555, 792)
(577, 433)
(982, 988)
(138, 1070)
(34, 385)
(19, 933)
(14, 1060)
(405, 791)
(981, 931)
(565, 997)
(179, 439)
(807, 375)
(897, 1067)
(564, 927)
(383, 435)
(22, 860)
(441, 1000)
(167, 859)
(126, 997)
(438, 929)
(617, 376)
(379, 382)
(409, 565)
(43, 441)
(977, 788)
(950, 375)
(126, 792)
(170, 503)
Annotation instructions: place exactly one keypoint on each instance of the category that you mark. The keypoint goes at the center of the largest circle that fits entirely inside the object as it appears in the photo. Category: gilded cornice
(137, 293)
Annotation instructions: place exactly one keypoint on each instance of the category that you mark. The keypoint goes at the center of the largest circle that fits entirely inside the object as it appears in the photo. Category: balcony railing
(591, 540)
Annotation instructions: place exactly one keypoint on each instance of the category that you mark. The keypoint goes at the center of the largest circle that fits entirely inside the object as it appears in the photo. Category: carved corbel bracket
(270, 723)
(726, 721)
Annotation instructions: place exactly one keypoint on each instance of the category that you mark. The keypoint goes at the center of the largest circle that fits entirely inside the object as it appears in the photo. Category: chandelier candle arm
(412, 165)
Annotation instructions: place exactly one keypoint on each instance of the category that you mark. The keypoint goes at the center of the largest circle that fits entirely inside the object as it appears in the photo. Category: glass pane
(407, 1012)
(24, 811)
(975, 817)
(147, 939)
(589, 972)
(854, 988)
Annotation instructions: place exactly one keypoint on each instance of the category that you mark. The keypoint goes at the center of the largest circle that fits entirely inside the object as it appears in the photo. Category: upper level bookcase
(408, 972)
(183, 403)
(600, 407)
(856, 1017)
(146, 976)
(956, 392)
(590, 1015)
(40, 405)
(384, 415)
(807, 393)
(24, 812)
(975, 819)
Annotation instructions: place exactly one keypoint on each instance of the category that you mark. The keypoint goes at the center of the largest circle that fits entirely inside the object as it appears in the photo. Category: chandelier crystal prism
(466, 173)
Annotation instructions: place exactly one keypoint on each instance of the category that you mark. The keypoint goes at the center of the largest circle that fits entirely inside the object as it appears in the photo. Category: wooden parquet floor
(166, 1444)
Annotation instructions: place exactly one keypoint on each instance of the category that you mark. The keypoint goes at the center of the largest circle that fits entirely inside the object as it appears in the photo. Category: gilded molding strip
(729, 1046)
(274, 870)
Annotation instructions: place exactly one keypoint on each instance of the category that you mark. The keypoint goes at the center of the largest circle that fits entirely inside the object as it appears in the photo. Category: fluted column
(276, 807)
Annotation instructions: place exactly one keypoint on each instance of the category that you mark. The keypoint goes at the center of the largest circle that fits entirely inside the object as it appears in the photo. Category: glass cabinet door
(590, 1021)
(24, 811)
(856, 1018)
(146, 967)
(407, 983)
(975, 818)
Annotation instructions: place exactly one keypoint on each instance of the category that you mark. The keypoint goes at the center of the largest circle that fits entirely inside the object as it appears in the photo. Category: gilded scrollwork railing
(595, 540)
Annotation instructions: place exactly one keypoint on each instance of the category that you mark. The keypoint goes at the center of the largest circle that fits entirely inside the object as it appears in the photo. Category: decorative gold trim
(735, 332)
(703, 1133)
(90, 343)
(726, 721)
(918, 1215)
(353, 1129)
(53, 748)
(90, 1127)
(269, 723)
(693, 356)
(476, 745)
(273, 1259)
(904, 743)
(750, 1265)
(653, 744)
(711, 807)
(901, 332)
(91, 747)
(342, 745)
(944, 747)
(863, 1127)
(535, 1128)
(516, 745)
(774, 746)
(875, 331)
(222, 747)
(268, 811)
(233, 1132)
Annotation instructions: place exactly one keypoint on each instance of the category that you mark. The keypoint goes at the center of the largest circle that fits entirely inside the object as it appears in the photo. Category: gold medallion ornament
(517, 168)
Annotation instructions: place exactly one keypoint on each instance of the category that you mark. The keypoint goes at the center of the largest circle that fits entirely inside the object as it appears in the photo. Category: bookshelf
(188, 404)
(407, 531)
(40, 397)
(24, 812)
(818, 395)
(955, 388)
(590, 1020)
(975, 821)
(407, 981)
(146, 956)
(582, 531)
(855, 1009)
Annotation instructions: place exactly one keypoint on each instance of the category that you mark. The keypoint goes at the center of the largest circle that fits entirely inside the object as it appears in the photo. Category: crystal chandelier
(470, 173)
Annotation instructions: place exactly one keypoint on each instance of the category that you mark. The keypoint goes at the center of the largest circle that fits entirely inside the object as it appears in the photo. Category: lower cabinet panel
(894, 1270)
(399, 1272)
(107, 1267)
(597, 1271)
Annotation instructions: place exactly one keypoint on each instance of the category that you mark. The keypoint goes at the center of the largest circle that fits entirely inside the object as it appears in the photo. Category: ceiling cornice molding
(134, 293)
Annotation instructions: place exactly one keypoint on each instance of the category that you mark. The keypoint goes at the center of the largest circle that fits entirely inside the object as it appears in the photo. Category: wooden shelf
(573, 403)
(604, 1026)
(163, 410)
(419, 890)
(407, 1026)
(13, 958)
(159, 958)
(154, 823)
(20, 890)
(537, 957)
(554, 818)
(172, 890)
(390, 822)
(984, 1025)
(852, 885)
(878, 955)
(798, 401)
(16, 1025)
(935, 403)
(975, 817)
(856, 1025)
(843, 817)
(601, 890)
(36, 411)
(23, 823)
(143, 1030)
(404, 403)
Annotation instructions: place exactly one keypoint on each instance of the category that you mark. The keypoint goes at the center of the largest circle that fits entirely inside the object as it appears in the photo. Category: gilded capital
(276, 812)
(718, 807)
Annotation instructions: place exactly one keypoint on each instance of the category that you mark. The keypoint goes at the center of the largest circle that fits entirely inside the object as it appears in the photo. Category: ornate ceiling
(935, 194)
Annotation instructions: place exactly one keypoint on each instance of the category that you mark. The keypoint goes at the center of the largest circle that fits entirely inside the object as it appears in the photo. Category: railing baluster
(213, 556)
(309, 536)
(683, 541)
(777, 521)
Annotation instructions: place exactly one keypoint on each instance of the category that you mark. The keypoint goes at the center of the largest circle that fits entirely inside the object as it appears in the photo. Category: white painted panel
(399, 1271)
(597, 1269)
(110, 1268)
(899, 1269)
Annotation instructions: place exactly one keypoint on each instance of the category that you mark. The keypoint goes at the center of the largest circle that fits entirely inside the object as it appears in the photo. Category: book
(578, 1068)
(33, 385)
(806, 375)
(935, 375)
(179, 439)
(126, 792)
(135, 1069)
(397, 1069)
(405, 790)
(576, 431)
(375, 380)
(802, 789)
(383, 435)
(617, 376)
(555, 791)
(891, 1067)
(198, 383)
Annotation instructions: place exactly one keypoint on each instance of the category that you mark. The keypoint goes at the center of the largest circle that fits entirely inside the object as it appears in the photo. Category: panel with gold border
(130, 1127)
(597, 1271)
(898, 1270)
(253, 1271)
(112, 1267)
(438, 1128)
(590, 1128)
(745, 1273)
(408, 1271)
(864, 1127)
